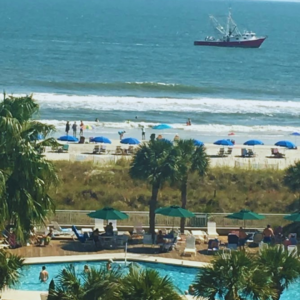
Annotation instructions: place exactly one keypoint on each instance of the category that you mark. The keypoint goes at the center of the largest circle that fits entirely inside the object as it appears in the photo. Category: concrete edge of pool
(11, 294)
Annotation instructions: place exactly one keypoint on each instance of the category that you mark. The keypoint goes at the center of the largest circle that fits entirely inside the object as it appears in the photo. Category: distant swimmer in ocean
(96, 120)
(189, 122)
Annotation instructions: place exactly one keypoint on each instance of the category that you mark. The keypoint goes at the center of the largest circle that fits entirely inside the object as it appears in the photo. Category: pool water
(182, 277)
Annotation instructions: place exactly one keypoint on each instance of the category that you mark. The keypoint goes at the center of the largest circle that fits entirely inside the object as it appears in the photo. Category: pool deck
(69, 250)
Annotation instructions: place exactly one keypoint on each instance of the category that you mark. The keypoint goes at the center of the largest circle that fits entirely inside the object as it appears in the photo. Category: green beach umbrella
(108, 213)
(245, 214)
(175, 212)
(293, 217)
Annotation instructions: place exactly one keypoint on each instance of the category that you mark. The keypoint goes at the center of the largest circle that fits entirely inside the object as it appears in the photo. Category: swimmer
(86, 269)
(44, 275)
(108, 265)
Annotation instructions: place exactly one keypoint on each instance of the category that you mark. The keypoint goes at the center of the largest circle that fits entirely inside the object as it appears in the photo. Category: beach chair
(211, 230)
(190, 245)
(232, 241)
(57, 230)
(251, 153)
(199, 235)
(96, 149)
(82, 238)
(244, 152)
(103, 149)
(257, 237)
(114, 224)
(130, 150)
(65, 148)
(213, 246)
(229, 151)
(99, 225)
(292, 250)
(263, 246)
(118, 151)
(147, 239)
(221, 152)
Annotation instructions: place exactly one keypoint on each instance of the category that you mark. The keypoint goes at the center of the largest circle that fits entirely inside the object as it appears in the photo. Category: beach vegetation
(25, 175)
(154, 163)
(190, 160)
(10, 269)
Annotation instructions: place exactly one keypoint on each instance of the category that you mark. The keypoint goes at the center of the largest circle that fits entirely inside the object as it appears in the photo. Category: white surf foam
(201, 104)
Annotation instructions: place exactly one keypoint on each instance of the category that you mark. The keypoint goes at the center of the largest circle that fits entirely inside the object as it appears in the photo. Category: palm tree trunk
(152, 208)
(183, 204)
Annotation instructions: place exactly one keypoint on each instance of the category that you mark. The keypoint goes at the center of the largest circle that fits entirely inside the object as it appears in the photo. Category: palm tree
(190, 159)
(284, 268)
(10, 268)
(154, 163)
(146, 284)
(235, 277)
(291, 179)
(25, 175)
(98, 284)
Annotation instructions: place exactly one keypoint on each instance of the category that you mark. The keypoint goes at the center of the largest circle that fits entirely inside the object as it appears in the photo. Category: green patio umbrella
(108, 213)
(293, 217)
(175, 212)
(245, 214)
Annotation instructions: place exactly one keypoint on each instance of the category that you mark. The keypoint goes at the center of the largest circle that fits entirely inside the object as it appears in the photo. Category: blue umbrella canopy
(286, 144)
(223, 143)
(198, 143)
(162, 126)
(295, 133)
(130, 141)
(101, 139)
(68, 138)
(165, 141)
(253, 143)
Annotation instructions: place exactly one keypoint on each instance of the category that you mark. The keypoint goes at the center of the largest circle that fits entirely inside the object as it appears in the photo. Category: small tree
(154, 163)
(190, 159)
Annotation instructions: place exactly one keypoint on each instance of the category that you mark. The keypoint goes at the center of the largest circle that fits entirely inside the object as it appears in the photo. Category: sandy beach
(263, 156)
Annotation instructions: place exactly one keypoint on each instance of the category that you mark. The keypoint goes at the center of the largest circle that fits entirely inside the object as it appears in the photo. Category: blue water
(182, 277)
(115, 60)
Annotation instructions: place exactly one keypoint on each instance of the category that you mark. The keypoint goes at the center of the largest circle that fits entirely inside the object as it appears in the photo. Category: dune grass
(88, 186)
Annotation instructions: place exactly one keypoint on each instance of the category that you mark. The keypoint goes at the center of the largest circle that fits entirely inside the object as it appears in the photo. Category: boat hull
(236, 44)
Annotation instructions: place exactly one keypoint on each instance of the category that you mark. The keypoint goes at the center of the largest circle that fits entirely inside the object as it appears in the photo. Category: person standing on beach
(143, 133)
(74, 127)
(268, 234)
(44, 274)
(67, 127)
(121, 134)
(81, 128)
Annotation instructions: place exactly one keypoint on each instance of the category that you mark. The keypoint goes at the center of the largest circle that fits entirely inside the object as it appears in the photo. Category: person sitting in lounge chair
(109, 229)
(44, 240)
(12, 239)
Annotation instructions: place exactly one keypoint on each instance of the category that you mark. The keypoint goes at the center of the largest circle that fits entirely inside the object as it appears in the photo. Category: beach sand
(262, 159)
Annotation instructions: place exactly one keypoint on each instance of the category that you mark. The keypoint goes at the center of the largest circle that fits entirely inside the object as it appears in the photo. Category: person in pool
(108, 265)
(86, 269)
(190, 291)
(44, 275)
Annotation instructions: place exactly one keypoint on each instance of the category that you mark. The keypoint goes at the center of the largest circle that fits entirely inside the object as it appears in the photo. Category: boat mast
(217, 25)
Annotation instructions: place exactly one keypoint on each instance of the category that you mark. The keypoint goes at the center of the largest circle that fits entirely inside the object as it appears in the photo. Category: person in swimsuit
(44, 275)
(268, 234)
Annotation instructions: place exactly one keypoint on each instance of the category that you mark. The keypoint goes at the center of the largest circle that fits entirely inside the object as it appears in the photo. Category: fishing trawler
(231, 36)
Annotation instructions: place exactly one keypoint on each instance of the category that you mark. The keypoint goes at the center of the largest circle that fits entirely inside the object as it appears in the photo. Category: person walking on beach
(44, 274)
(81, 128)
(143, 133)
(121, 134)
(67, 127)
(74, 127)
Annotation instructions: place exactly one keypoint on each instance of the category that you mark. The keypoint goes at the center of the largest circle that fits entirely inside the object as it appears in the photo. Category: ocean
(132, 63)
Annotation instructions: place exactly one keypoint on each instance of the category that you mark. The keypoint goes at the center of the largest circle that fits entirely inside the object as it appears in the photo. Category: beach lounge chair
(118, 151)
(147, 239)
(229, 151)
(65, 148)
(275, 153)
(263, 246)
(251, 153)
(211, 230)
(81, 237)
(190, 245)
(199, 235)
(244, 152)
(60, 231)
(96, 149)
(292, 250)
(130, 150)
(221, 152)
(213, 246)
(99, 225)
(103, 149)
(232, 241)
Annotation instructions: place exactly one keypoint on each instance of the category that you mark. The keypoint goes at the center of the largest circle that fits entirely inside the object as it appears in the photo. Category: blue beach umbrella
(295, 133)
(130, 141)
(165, 141)
(198, 143)
(101, 139)
(162, 126)
(68, 138)
(253, 143)
(223, 143)
(286, 144)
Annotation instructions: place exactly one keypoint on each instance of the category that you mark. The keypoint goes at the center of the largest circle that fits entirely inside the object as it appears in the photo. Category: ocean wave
(203, 128)
(196, 105)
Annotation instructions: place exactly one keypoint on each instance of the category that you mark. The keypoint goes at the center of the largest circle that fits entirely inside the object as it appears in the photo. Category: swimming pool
(181, 276)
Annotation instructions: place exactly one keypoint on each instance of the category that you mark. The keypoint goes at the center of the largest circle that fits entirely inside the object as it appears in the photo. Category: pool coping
(12, 294)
